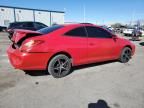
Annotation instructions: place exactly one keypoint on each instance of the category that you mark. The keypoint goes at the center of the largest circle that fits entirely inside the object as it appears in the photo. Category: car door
(101, 44)
(76, 42)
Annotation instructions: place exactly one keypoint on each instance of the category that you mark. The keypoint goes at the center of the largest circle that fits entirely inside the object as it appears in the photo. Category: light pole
(84, 13)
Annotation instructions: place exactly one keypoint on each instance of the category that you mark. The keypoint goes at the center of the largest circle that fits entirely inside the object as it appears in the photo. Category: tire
(125, 55)
(59, 66)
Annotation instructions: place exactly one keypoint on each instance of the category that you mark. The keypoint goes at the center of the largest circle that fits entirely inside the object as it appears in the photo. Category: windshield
(50, 29)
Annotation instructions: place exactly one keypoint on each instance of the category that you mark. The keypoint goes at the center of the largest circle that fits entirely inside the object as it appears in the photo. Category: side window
(97, 32)
(77, 32)
(28, 24)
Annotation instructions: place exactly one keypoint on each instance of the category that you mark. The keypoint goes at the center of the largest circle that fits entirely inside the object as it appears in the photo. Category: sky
(96, 11)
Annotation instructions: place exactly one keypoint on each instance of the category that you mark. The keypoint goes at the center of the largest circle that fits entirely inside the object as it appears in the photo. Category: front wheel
(125, 55)
(59, 66)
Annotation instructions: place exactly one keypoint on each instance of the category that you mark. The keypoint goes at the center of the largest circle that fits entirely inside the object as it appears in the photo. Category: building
(10, 14)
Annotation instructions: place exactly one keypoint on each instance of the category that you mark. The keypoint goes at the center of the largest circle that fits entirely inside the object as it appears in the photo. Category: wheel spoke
(124, 58)
(60, 71)
(59, 62)
(65, 68)
(65, 63)
(56, 68)
(127, 56)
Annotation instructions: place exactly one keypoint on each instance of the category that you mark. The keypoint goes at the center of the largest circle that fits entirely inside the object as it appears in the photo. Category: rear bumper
(28, 61)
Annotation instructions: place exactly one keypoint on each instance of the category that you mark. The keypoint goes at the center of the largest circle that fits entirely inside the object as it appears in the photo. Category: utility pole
(84, 13)
(132, 20)
(64, 14)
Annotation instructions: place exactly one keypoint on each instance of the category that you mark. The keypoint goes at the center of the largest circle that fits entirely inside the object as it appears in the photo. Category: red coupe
(58, 48)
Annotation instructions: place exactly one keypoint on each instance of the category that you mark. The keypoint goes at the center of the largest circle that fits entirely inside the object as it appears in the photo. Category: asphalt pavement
(110, 84)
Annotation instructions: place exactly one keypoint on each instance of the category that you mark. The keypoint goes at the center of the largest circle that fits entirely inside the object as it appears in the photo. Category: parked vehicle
(136, 34)
(142, 32)
(128, 31)
(28, 25)
(110, 29)
(58, 48)
(118, 30)
(2, 28)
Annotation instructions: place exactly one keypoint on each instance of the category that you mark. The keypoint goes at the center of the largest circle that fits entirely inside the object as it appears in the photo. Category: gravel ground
(118, 85)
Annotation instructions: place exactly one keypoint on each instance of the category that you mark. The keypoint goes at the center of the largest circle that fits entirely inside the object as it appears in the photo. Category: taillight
(33, 42)
(28, 45)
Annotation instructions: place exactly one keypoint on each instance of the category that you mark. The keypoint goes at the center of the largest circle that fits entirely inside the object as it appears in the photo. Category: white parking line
(4, 55)
(5, 61)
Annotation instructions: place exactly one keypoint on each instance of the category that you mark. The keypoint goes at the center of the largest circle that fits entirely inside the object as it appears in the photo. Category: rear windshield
(50, 29)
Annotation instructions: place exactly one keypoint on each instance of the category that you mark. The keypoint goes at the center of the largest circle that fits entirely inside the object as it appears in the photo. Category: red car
(58, 48)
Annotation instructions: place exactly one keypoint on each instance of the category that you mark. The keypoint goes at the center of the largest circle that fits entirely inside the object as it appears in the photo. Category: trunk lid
(20, 35)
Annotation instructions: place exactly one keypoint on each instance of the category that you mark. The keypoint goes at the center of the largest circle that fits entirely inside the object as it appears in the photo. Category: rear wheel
(59, 66)
(125, 55)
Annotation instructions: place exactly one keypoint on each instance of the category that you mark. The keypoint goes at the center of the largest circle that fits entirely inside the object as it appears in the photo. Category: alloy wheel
(59, 66)
(126, 55)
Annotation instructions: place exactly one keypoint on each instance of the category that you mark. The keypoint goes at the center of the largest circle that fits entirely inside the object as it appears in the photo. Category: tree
(116, 25)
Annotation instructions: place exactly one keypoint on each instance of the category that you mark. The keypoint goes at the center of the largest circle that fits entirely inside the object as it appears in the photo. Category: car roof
(84, 24)
(79, 24)
(25, 22)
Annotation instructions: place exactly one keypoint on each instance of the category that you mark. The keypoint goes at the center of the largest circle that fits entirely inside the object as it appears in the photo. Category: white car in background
(142, 32)
(112, 29)
(128, 31)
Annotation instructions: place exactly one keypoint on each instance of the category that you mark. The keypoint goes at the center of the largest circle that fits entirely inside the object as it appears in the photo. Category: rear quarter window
(77, 32)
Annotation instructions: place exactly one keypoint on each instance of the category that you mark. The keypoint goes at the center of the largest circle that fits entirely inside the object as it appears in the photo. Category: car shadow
(142, 43)
(44, 72)
(99, 104)
(36, 72)
(92, 65)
